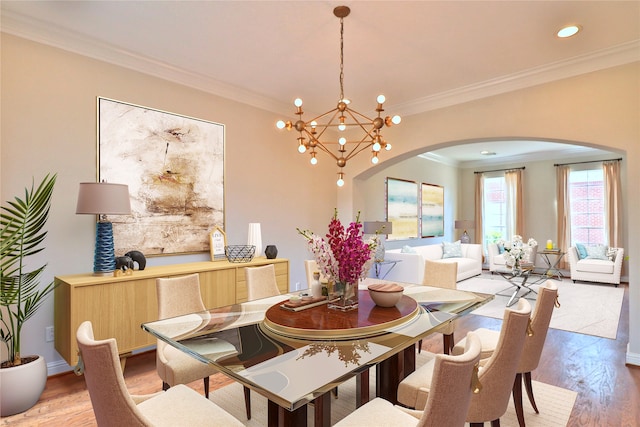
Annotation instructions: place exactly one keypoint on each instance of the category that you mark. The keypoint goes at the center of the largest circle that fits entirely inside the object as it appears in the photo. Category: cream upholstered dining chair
(496, 375)
(442, 275)
(178, 296)
(113, 406)
(454, 380)
(310, 266)
(261, 282)
(533, 345)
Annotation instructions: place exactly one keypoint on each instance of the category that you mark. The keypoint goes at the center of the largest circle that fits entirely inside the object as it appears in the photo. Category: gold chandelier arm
(322, 147)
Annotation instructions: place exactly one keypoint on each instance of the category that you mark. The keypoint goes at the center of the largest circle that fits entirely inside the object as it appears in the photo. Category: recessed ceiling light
(569, 31)
(487, 153)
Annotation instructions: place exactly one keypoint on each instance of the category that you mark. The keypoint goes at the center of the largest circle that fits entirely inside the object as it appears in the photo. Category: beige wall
(599, 109)
(49, 124)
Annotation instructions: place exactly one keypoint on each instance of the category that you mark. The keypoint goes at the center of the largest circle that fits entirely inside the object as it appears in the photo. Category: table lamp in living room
(464, 225)
(379, 230)
(102, 199)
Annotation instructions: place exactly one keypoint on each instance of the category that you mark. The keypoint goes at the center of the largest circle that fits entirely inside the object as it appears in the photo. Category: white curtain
(515, 208)
(612, 201)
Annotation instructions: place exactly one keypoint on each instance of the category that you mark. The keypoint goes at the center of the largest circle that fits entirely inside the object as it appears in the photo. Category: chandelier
(355, 131)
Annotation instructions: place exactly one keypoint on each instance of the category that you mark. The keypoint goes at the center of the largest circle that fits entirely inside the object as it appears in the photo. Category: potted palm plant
(22, 233)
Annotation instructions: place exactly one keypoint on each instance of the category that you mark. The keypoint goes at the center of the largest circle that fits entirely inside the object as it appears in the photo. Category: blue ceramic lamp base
(104, 261)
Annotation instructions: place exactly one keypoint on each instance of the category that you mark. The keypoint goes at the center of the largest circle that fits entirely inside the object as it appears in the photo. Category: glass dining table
(294, 356)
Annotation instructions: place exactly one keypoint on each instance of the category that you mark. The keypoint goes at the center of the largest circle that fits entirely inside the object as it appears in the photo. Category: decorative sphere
(342, 106)
(299, 125)
(378, 122)
(342, 162)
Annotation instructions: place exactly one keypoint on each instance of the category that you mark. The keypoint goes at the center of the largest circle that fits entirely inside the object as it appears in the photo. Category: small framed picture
(217, 242)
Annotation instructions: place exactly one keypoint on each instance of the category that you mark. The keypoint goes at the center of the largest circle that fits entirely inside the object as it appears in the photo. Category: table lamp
(102, 199)
(463, 225)
(380, 229)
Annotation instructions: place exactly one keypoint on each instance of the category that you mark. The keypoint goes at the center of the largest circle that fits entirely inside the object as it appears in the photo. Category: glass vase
(345, 296)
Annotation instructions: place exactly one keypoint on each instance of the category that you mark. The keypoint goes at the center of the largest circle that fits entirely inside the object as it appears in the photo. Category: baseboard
(632, 358)
(58, 367)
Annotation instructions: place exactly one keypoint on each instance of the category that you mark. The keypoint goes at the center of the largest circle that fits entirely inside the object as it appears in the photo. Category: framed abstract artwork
(174, 167)
(402, 208)
(432, 210)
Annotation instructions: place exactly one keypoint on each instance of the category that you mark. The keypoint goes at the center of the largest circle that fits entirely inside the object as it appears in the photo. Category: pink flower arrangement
(344, 256)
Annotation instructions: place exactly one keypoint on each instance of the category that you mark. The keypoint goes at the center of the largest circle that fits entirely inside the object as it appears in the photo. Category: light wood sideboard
(118, 305)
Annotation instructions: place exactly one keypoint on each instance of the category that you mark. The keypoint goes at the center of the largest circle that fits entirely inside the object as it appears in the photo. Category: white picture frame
(217, 243)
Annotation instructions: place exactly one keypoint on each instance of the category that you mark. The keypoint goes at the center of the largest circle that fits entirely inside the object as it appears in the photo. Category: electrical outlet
(48, 331)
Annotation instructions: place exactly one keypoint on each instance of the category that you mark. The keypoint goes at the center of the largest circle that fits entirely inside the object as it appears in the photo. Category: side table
(552, 269)
(378, 267)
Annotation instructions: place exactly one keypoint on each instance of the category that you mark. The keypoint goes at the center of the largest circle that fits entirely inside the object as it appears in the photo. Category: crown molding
(606, 58)
(41, 32)
(54, 36)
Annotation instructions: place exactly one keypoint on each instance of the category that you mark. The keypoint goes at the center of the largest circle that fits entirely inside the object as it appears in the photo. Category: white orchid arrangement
(516, 250)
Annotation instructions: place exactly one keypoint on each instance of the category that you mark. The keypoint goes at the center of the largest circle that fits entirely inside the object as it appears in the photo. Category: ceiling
(421, 54)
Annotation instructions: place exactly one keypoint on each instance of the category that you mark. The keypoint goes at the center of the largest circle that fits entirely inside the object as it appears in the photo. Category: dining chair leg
(247, 401)
(165, 386)
(495, 423)
(529, 388)
(206, 387)
(447, 340)
(419, 346)
(517, 399)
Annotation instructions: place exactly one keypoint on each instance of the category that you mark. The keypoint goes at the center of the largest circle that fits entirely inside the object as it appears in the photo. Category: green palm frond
(22, 233)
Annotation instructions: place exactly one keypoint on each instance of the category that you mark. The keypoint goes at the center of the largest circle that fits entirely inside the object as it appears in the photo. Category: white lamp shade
(102, 198)
(464, 224)
(380, 227)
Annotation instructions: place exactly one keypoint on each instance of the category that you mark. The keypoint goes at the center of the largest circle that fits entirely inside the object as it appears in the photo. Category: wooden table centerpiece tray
(321, 323)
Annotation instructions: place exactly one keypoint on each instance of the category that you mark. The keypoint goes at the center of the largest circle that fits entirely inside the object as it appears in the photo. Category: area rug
(591, 309)
(554, 403)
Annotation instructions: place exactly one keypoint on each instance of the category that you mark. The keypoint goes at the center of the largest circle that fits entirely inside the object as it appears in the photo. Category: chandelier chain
(341, 59)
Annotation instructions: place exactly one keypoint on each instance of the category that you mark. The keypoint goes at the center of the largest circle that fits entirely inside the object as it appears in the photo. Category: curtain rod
(500, 170)
(592, 161)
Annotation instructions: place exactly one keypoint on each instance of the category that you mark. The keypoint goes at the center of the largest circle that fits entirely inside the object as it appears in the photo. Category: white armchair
(595, 270)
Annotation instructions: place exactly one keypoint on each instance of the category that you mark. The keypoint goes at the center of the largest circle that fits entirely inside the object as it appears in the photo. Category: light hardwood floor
(608, 391)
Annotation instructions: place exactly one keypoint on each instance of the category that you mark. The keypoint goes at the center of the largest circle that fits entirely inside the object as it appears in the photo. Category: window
(494, 209)
(586, 201)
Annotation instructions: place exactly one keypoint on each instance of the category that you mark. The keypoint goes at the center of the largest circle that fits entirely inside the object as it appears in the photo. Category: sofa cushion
(451, 250)
(597, 252)
(595, 266)
(582, 251)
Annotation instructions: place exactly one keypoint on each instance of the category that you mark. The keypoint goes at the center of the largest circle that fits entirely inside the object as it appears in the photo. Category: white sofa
(595, 270)
(498, 262)
(411, 267)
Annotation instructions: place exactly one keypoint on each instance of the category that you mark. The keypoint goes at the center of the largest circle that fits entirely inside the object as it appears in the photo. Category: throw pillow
(611, 253)
(451, 250)
(406, 249)
(597, 252)
(500, 248)
(582, 251)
